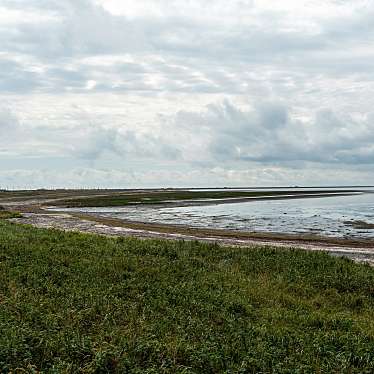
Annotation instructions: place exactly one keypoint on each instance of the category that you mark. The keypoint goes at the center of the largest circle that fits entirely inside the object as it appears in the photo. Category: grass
(157, 196)
(78, 303)
(6, 214)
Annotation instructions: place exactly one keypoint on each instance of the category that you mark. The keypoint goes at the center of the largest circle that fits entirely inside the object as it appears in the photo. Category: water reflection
(323, 216)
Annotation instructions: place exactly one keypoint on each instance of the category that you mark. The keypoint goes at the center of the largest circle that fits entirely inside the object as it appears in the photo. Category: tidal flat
(310, 218)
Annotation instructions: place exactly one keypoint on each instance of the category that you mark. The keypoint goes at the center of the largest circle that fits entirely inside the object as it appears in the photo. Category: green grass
(155, 197)
(6, 214)
(78, 303)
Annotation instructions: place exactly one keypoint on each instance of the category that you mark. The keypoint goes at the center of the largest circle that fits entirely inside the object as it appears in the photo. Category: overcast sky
(132, 93)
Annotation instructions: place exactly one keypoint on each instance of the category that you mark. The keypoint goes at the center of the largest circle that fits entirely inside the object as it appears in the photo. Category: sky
(172, 93)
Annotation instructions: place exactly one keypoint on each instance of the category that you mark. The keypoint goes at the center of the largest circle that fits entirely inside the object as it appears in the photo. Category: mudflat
(34, 205)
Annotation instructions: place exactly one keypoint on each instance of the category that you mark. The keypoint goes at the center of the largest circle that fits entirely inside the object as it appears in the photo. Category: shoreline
(357, 250)
(36, 213)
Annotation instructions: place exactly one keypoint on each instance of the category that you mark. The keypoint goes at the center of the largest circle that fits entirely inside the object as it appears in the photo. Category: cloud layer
(253, 91)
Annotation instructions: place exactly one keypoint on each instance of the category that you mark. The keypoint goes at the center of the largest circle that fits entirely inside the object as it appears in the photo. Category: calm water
(323, 216)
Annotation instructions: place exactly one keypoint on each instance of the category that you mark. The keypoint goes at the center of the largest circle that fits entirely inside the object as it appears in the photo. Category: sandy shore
(362, 251)
(33, 209)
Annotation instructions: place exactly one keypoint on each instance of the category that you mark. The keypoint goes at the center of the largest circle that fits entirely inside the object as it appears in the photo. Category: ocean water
(326, 216)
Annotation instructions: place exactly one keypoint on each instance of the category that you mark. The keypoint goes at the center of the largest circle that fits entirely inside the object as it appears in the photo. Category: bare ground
(34, 213)
(358, 251)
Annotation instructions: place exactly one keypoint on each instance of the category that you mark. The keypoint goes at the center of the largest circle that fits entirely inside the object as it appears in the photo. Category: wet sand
(361, 251)
(34, 213)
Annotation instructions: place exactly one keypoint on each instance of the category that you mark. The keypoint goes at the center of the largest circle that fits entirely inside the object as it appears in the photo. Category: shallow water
(322, 216)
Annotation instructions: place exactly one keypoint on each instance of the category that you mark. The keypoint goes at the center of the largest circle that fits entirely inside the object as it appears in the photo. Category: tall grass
(72, 302)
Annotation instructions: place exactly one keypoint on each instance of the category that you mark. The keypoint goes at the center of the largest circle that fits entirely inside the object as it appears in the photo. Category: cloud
(196, 86)
(8, 122)
(269, 133)
(208, 177)
(176, 46)
(83, 138)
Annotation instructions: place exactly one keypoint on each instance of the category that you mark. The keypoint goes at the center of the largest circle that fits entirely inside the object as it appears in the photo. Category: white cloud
(269, 132)
(197, 85)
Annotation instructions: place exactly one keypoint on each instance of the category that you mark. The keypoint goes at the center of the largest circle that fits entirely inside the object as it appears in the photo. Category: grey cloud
(8, 122)
(92, 141)
(289, 72)
(78, 28)
(73, 177)
(268, 133)
(10, 130)
(81, 28)
(10, 126)
(85, 138)
(16, 78)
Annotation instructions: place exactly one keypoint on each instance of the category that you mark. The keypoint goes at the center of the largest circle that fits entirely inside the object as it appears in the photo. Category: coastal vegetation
(6, 214)
(73, 302)
(172, 196)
